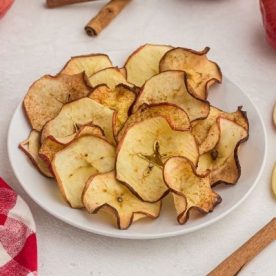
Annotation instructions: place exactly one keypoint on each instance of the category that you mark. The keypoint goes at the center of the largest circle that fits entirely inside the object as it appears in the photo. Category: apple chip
(31, 147)
(104, 190)
(170, 87)
(190, 190)
(123, 71)
(176, 117)
(119, 99)
(90, 64)
(81, 130)
(47, 95)
(78, 113)
(142, 152)
(84, 157)
(51, 146)
(143, 63)
(206, 131)
(222, 161)
(111, 77)
(211, 140)
(202, 72)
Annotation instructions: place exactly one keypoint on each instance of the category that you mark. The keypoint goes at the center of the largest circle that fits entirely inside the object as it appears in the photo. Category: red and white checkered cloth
(18, 248)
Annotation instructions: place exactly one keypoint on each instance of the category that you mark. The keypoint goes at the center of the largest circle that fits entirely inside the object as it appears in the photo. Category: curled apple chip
(142, 152)
(76, 114)
(81, 130)
(201, 128)
(202, 72)
(191, 191)
(31, 147)
(143, 63)
(207, 132)
(51, 146)
(171, 87)
(111, 77)
(222, 161)
(176, 117)
(104, 190)
(47, 95)
(90, 64)
(211, 140)
(119, 99)
(84, 157)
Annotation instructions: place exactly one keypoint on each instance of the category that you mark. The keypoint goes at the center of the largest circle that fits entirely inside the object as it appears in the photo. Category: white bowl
(44, 191)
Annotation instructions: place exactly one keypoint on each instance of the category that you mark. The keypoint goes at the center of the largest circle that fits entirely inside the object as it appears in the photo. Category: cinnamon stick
(105, 16)
(59, 3)
(235, 262)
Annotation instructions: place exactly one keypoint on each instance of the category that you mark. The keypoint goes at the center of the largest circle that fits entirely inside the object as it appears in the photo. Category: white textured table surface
(35, 41)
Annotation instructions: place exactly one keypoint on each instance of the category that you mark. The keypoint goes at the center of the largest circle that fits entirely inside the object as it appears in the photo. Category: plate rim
(132, 236)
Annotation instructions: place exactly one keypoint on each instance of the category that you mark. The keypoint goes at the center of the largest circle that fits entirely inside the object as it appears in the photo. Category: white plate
(45, 193)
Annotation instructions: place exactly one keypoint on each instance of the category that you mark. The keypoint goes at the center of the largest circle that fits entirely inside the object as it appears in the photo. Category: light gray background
(35, 41)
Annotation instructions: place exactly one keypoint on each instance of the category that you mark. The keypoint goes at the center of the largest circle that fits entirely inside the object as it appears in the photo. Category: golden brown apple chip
(104, 190)
(31, 147)
(76, 114)
(142, 152)
(191, 191)
(111, 77)
(47, 95)
(51, 146)
(84, 157)
(176, 117)
(119, 99)
(202, 72)
(143, 63)
(201, 128)
(222, 161)
(171, 87)
(90, 64)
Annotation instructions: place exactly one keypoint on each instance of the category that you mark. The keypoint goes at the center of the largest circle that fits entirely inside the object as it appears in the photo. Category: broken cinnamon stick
(105, 16)
(59, 3)
(235, 262)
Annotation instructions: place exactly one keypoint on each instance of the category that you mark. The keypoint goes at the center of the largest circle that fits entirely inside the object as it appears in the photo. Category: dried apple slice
(119, 99)
(90, 64)
(142, 152)
(51, 146)
(222, 161)
(78, 113)
(111, 77)
(84, 157)
(47, 95)
(171, 87)
(31, 147)
(202, 72)
(104, 190)
(211, 140)
(190, 190)
(201, 128)
(123, 71)
(176, 117)
(143, 63)
(81, 130)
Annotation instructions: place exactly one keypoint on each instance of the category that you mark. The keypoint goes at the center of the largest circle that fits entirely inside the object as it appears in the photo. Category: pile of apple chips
(121, 139)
